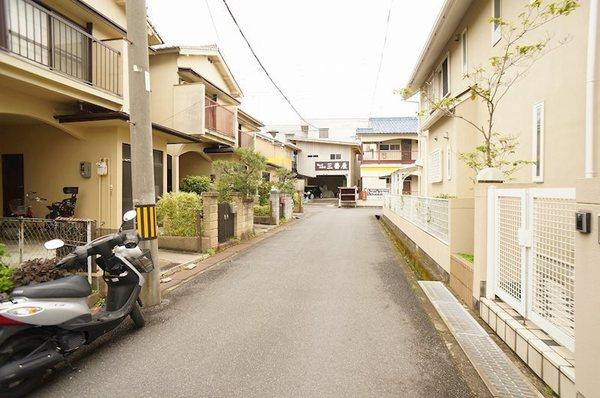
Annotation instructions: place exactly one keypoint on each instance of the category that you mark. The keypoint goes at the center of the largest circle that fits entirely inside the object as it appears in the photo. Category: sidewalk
(197, 263)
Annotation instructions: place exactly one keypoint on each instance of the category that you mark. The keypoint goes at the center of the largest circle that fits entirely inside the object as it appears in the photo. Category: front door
(406, 150)
(13, 185)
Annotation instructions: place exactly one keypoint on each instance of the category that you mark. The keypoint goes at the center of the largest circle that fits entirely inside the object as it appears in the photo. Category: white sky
(324, 54)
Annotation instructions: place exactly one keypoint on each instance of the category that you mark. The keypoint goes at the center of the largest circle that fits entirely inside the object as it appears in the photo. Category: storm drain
(500, 375)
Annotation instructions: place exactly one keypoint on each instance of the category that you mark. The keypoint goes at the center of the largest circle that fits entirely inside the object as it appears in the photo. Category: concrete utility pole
(142, 162)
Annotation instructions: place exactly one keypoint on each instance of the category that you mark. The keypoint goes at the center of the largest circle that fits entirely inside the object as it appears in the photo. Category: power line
(263, 67)
(387, 28)
(212, 20)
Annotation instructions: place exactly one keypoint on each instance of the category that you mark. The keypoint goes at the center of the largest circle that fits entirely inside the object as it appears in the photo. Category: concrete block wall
(244, 217)
(210, 221)
(274, 202)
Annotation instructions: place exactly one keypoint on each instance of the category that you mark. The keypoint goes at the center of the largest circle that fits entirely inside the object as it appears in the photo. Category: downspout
(592, 92)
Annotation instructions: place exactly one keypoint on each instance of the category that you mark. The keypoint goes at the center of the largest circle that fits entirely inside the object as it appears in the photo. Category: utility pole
(142, 162)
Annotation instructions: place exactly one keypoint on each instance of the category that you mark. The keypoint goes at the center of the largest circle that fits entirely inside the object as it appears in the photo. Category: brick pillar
(210, 222)
(274, 201)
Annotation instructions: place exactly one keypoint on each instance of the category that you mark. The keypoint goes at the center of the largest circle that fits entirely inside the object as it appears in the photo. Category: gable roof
(443, 29)
(391, 125)
(212, 52)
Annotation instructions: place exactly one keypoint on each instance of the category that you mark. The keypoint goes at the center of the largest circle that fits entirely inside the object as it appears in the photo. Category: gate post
(210, 221)
(274, 201)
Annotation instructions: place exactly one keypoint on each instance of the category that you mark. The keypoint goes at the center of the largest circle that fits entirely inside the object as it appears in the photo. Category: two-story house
(195, 92)
(529, 258)
(388, 144)
(64, 107)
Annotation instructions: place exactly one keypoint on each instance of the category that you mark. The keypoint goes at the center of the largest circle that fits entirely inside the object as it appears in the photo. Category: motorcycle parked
(22, 208)
(66, 207)
(42, 325)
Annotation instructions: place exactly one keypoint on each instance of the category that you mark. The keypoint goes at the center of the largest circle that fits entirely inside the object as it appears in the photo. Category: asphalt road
(320, 309)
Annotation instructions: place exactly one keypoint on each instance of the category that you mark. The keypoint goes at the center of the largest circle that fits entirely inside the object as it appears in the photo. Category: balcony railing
(390, 156)
(39, 35)
(219, 118)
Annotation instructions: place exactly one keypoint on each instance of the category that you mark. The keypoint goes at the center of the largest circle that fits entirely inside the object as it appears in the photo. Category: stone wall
(288, 206)
(244, 217)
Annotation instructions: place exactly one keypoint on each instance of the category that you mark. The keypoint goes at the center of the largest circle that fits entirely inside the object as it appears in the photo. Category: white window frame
(496, 30)
(464, 51)
(438, 77)
(448, 163)
(538, 154)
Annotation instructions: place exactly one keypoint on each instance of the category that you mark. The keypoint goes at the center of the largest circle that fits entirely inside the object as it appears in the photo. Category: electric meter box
(85, 169)
(583, 221)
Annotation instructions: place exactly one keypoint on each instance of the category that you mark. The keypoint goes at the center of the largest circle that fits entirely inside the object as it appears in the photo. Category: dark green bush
(6, 283)
(264, 190)
(196, 184)
(262, 210)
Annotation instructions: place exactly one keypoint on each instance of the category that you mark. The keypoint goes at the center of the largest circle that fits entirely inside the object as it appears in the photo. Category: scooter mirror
(54, 244)
(130, 215)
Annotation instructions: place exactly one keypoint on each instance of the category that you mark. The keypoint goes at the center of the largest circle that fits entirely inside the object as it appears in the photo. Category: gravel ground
(321, 309)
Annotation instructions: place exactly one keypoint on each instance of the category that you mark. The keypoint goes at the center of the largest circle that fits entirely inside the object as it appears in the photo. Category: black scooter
(42, 325)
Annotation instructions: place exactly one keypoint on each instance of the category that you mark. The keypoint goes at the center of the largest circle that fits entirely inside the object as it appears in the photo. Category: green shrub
(6, 283)
(264, 191)
(469, 257)
(196, 184)
(177, 212)
(296, 198)
(262, 210)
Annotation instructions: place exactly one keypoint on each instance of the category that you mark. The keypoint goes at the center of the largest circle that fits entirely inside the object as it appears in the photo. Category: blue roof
(390, 125)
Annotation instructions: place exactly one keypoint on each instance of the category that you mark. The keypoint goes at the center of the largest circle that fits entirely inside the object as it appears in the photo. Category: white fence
(531, 255)
(429, 214)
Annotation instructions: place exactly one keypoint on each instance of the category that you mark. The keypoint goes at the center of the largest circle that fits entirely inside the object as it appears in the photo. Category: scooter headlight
(25, 311)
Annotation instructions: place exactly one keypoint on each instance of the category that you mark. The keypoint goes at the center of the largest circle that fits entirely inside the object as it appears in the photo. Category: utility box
(347, 196)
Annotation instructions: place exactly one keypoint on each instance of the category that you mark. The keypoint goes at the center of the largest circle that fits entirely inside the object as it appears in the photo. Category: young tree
(520, 49)
(286, 181)
(242, 176)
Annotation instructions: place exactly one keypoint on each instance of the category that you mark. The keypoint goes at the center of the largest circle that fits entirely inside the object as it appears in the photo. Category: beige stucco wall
(163, 75)
(557, 83)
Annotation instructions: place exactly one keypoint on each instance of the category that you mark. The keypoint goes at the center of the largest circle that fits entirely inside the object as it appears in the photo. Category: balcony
(39, 35)
(219, 118)
(403, 157)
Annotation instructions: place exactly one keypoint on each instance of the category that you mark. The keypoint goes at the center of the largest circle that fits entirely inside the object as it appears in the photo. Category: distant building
(388, 144)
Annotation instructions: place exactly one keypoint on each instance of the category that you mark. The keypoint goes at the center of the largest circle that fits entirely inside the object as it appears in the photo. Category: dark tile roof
(389, 125)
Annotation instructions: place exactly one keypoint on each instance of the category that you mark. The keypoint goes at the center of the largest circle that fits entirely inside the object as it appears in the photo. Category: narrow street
(320, 309)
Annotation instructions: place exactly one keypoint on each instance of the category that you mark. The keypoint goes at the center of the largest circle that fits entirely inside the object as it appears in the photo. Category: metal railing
(24, 237)
(400, 156)
(219, 118)
(40, 35)
(429, 214)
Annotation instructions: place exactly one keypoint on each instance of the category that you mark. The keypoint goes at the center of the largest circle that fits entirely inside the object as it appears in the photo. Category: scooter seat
(67, 287)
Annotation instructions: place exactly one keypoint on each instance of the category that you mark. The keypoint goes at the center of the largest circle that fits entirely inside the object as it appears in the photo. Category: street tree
(520, 48)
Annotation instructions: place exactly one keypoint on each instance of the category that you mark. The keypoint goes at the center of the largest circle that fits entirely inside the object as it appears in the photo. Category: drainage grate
(500, 375)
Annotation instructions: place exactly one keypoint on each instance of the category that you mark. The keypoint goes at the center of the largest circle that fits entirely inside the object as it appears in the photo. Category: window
(441, 79)
(335, 156)
(384, 147)
(496, 27)
(312, 156)
(463, 48)
(538, 142)
(435, 166)
(266, 176)
(394, 147)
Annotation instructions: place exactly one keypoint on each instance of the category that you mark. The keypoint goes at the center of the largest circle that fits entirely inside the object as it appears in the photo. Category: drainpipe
(592, 90)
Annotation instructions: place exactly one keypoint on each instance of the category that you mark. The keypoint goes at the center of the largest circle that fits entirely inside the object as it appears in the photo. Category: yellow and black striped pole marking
(146, 222)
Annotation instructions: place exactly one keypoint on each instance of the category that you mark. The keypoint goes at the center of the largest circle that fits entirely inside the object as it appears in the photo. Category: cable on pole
(387, 28)
(263, 67)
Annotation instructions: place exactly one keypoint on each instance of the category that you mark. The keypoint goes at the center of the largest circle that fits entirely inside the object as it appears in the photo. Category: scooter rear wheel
(15, 349)
(137, 317)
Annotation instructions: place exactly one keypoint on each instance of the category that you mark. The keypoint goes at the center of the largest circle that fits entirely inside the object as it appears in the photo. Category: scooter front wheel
(137, 317)
(16, 349)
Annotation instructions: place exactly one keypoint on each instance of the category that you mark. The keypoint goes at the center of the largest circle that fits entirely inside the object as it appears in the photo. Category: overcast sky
(324, 54)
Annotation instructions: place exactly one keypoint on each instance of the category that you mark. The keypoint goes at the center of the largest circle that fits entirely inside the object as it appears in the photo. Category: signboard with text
(341, 165)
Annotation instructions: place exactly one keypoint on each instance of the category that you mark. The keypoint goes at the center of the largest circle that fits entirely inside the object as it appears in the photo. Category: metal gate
(225, 223)
(531, 256)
